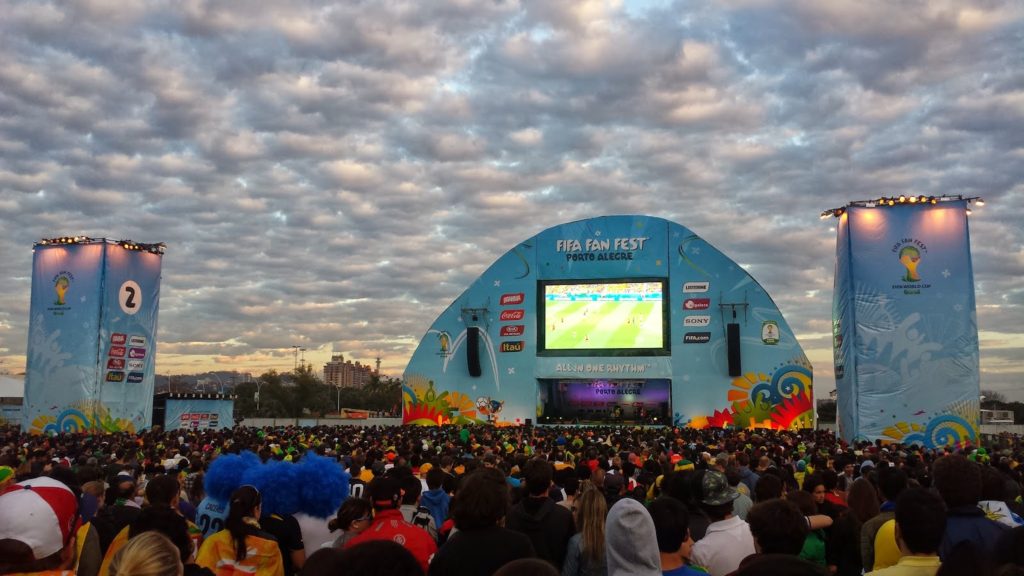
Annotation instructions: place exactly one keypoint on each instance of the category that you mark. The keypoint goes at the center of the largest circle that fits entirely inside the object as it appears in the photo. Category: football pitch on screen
(602, 325)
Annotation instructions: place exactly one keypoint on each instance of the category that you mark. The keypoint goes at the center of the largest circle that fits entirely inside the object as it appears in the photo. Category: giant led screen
(620, 317)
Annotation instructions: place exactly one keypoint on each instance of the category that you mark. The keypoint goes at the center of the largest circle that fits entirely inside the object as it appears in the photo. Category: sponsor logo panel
(696, 304)
(698, 320)
(137, 341)
(696, 337)
(117, 351)
(696, 286)
(117, 338)
(137, 353)
(115, 364)
(515, 346)
(136, 364)
(513, 330)
(135, 377)
(511, 315)
(512, 299)
(113, 376)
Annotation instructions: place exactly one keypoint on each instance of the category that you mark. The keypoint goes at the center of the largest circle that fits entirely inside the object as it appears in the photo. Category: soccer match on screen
(603, 316)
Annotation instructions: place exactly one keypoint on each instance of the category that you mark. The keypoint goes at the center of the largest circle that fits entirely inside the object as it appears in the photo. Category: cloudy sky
(333, 175)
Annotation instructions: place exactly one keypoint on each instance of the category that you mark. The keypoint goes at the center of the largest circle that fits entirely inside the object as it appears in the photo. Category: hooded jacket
(437, 502)
(632, 545)
(548, 526)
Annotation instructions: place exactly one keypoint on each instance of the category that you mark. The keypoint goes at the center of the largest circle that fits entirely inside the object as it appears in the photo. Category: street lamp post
(295, 355)
(259, 383)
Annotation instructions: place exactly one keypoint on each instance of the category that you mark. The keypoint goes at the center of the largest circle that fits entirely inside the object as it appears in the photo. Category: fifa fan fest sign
(905, 332)
(92, 335)
(616, 319)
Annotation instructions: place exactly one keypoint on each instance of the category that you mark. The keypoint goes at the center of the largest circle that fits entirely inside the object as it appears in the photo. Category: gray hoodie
(632, 546)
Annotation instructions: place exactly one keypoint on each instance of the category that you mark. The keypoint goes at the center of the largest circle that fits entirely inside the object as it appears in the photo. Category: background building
(346, 374)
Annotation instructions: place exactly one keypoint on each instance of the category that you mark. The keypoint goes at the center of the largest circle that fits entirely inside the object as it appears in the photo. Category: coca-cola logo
(510, 315)
(512, 330)
(512, 299)
(697, 304)
(117, 351)
(516, 346)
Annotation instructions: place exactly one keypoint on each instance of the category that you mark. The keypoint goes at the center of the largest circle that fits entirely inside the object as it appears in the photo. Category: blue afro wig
(276, 482)
(322, 486)
(225, 474)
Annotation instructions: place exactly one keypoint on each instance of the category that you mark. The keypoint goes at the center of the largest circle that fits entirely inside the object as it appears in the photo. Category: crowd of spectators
(508, 501)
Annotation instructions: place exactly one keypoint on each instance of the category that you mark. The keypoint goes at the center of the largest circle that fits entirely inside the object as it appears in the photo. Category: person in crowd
(843, 549)
(38, 518)
(728, 539)
(162, 492)
(354, 516)
(435, 498)
(779, 530)
(631, 540)
(920, 523)
(380, 558)
(741, 505)
(388, 523)
(748, 477)
(481, 544)
(548, 526)
(586, 550)
(411, 509)
(671, 527)
(324, 562)
(814, 544)
(175, 527)
(958, 481)
(148, 554)
(527, 567)
(242, 546)
(892, 482)
(995, 496)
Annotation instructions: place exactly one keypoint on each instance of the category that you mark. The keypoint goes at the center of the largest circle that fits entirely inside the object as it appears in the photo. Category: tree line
(302, 394)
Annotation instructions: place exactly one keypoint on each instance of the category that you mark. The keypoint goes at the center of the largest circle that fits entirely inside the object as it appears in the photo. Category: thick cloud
(332, 175)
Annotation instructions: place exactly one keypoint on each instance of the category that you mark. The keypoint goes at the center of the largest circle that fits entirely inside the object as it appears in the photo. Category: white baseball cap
(41, 513)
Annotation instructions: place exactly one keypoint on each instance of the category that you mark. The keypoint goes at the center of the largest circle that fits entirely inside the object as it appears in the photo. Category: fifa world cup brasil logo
(910, 257)
(60, 286)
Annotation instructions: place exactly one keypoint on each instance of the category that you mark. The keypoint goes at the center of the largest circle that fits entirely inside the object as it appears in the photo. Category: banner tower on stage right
(904, 326)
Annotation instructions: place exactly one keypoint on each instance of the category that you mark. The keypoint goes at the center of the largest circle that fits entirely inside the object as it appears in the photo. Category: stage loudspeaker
(529, 422)
(473, 351)
(733, 341)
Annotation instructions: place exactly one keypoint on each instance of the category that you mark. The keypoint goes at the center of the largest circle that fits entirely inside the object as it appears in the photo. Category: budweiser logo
(117, 338)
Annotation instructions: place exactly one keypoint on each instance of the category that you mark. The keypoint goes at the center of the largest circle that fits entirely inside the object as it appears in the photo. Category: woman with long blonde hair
(148, 554)
(585, 554)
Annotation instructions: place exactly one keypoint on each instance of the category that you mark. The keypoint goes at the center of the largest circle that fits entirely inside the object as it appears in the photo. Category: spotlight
(979, 202)
(902, 198)
(968, 211)
(826, 214)
(921, 199)
(913, 199)
(933, 200)
(891, 202)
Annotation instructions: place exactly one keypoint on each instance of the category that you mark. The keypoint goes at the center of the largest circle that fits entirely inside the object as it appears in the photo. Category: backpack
(422, 517)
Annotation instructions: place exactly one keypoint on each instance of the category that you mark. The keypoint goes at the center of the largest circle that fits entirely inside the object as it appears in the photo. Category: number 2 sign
(130, 297)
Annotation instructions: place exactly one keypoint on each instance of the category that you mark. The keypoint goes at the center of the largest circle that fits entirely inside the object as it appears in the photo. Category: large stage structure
(616, 319)
(92, 335)
(905, 331)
